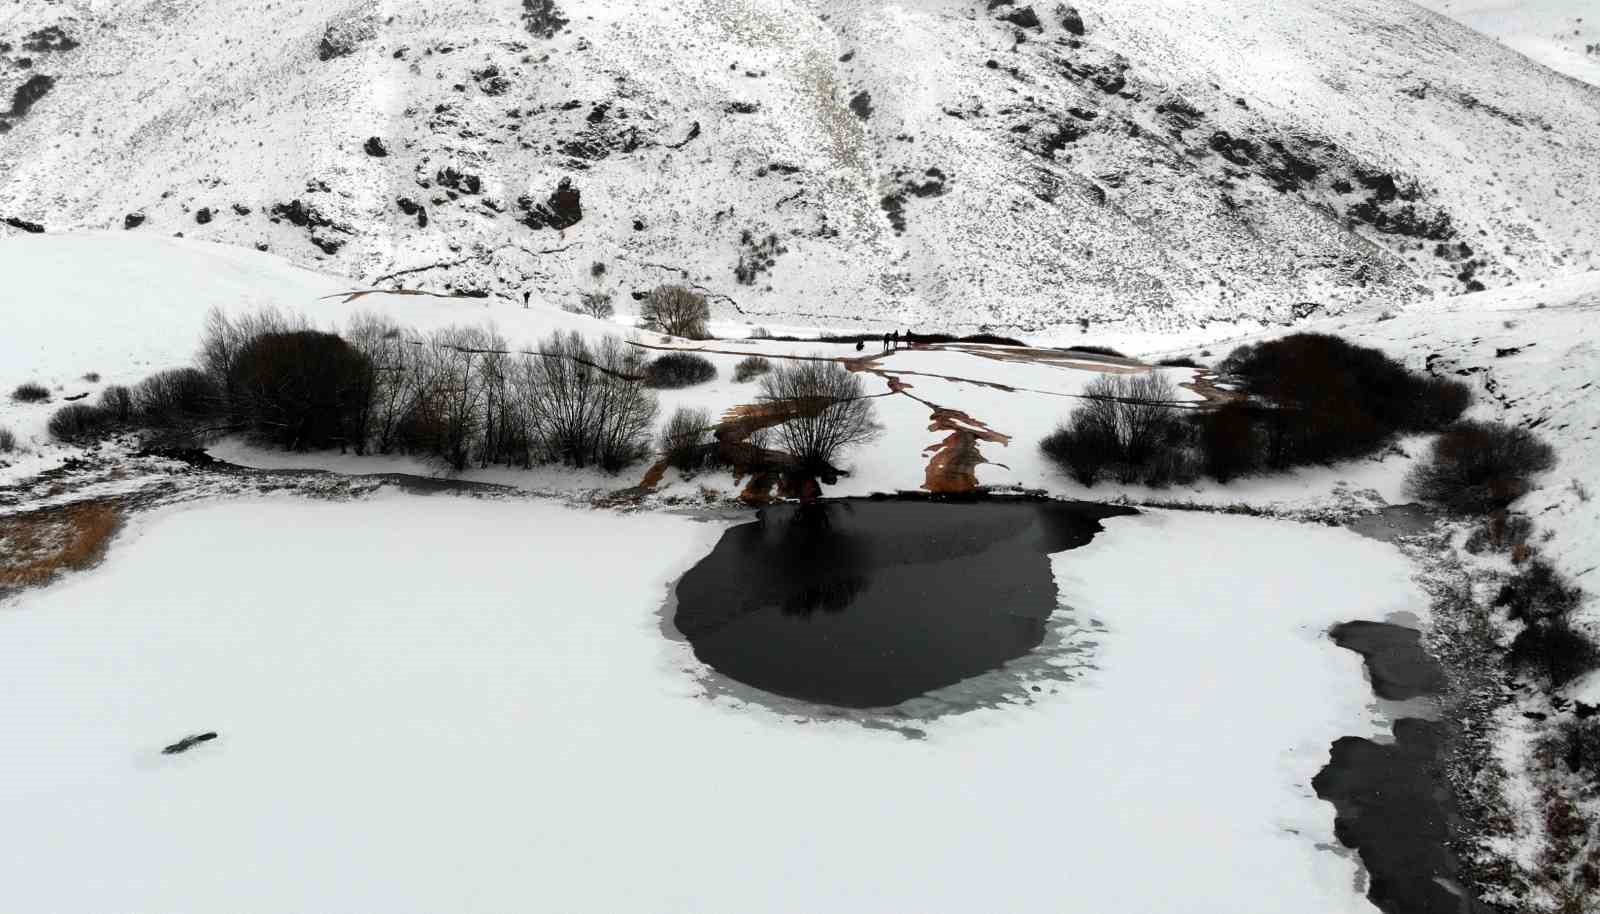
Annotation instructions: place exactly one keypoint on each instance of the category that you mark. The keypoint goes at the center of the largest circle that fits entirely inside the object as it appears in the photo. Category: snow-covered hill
(1152, 164)
(1564, 35)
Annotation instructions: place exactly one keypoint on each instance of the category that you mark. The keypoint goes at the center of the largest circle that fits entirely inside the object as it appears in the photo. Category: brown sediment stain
(953, 461)
(1058, 358)
(36, 546)
(652, 476)
(1204, 384)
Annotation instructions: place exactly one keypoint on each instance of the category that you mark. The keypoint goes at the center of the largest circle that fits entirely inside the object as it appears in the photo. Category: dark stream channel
(1392, 802)
(869, 603)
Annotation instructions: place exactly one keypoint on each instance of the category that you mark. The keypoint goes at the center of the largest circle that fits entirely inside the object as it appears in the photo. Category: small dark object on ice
(860, 344)
(188, 742)
(76, 396)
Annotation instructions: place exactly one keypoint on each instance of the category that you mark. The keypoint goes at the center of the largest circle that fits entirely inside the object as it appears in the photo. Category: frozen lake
(447, 703)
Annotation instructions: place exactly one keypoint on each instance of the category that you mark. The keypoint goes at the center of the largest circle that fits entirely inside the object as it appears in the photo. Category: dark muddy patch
(868, 604)
(1396, 663)
(1392, 801)
(1395, 522)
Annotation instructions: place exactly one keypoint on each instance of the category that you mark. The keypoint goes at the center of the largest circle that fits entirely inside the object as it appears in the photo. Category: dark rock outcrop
(133, 220)
(562, 209)
(375, 148)
(337, 41)
(1069, 18)
(203, 215)
(861, 104)
(48, 39)
(1024, 18)
(26, 95)
(23, 224)
(463, 182)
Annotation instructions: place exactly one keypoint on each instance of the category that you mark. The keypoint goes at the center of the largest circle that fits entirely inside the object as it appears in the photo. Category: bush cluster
(1501, 532)
(1549, 645)
(458, 394)
(1309, 399)
(1126, 428)
(30, 392)
(1579, 742)
(679, 369)
(117, 401)
(79, 422)
(1316, 399)
(751, 366)
(1479, 467)
(8, 440)
(177, 394)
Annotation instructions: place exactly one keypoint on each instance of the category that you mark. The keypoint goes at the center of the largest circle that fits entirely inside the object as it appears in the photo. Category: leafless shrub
(224, 337)
(586, 405)
(174, 394)
(1479, 467)
(679, 369)
(30, 392)
(455, 361)
(828, 409)
(676, 310)
(686, 441)
(1538, 592)
(8, 440)
(79, 423)
(595, 304)
(117, 401)
(751, 366)
(1554, 650)
(1500, 531)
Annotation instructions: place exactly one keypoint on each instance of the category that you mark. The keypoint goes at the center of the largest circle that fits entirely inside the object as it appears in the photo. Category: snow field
(456, 704)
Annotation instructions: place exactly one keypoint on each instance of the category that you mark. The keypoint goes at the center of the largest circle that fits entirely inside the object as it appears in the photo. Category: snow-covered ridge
(952, 163)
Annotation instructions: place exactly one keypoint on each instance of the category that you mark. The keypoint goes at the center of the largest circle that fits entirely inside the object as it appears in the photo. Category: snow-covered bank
(453, 704)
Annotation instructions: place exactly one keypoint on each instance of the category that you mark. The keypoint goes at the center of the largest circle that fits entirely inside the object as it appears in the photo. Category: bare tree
(676, 310)
(225, 337)
(827, 408)
(456, 354)
(596, 304)
(587, 405)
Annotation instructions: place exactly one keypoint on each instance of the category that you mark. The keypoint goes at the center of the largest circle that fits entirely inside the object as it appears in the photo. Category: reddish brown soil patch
(954, 462)
(1204, 384)
(652, 476)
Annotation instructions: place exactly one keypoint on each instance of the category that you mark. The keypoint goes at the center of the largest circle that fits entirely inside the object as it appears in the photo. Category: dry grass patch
(38, 545)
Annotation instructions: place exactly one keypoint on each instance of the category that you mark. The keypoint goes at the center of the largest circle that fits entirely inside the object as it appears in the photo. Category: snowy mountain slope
(1564, 35)
(951, 163)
